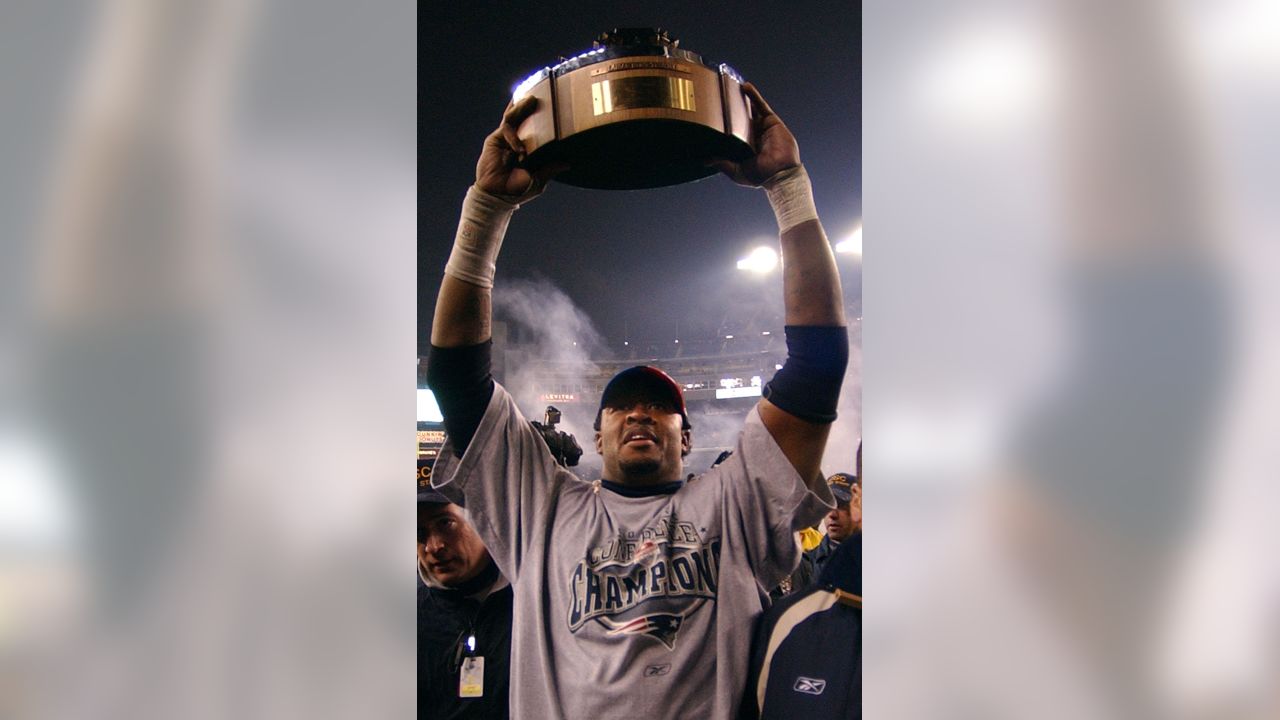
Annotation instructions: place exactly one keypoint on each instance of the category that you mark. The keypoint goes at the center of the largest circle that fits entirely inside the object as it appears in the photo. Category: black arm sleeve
(808, 385)
(460, 379)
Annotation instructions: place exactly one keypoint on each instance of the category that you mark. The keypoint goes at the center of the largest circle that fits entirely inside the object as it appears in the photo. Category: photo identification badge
(471, 684)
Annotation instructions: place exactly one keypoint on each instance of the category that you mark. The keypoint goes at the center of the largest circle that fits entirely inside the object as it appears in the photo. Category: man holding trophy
(635, 592)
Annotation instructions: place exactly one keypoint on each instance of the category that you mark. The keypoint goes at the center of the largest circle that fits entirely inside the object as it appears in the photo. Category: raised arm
(458, 369)
(799, 402)
(463, 307)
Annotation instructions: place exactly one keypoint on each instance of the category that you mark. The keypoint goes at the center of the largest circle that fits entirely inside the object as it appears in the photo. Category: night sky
(639, 261)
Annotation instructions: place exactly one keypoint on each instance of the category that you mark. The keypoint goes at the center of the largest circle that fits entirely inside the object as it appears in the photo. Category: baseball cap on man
(426, 493)
(648, 380)
(841, 485)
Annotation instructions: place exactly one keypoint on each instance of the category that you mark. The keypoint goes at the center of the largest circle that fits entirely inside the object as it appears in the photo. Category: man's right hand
(497, 171)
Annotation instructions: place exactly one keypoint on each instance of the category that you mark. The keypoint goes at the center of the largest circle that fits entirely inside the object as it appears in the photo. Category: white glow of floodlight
(987, 74)
(766, 332)
(852, 244)
(1239, 36)
(761, 260)
(35, 509)
(728, 337)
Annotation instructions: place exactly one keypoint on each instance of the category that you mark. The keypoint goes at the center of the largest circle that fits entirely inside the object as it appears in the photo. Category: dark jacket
(819, 556)
(814, 669)
(445, 618)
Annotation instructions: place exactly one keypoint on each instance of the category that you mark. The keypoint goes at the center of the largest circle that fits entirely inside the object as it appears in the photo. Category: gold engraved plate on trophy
(642, 91)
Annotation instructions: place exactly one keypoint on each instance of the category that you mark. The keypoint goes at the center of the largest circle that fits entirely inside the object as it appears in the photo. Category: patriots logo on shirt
(669, 568)
(662, 627)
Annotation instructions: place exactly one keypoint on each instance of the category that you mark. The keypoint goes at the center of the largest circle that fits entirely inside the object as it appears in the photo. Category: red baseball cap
(648, 380)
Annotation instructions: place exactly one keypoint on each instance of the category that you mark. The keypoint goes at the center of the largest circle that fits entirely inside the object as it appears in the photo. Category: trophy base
(638, 154)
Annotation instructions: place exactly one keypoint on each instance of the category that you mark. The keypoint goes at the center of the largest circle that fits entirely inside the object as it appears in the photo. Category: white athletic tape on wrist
(480, 231)
(791, 196)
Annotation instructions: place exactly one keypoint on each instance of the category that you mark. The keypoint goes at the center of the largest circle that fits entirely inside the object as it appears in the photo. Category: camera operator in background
(464, 615)
(635, 592)
(564, 446)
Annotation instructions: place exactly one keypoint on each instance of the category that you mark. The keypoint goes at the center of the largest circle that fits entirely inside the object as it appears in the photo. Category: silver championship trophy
(635, 111)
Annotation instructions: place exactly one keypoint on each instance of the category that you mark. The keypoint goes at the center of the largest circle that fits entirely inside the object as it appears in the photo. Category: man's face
(448, 547)
(846, 519)
(641, 439)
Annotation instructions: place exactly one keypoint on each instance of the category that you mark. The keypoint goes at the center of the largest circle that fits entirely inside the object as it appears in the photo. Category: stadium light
(853, 244)
(760, 261)
(988, 75)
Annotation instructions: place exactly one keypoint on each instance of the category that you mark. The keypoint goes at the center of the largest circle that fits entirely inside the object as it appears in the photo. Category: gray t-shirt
(630, 607)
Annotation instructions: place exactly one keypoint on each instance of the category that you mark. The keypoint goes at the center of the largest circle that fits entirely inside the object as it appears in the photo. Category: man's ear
(599, 444)
(686, 442)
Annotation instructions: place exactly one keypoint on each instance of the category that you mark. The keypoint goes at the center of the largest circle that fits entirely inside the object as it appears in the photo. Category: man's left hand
(776, 148)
